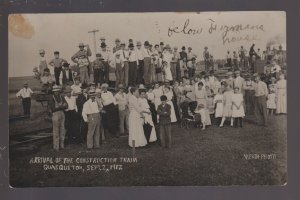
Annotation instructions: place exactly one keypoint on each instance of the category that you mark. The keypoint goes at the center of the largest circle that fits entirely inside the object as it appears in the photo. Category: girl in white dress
(169, 95)
(238, 111)
(167, 70)
(143, 103)
(135, 121)
(227, 108)
(281, 95)
(218, 101)
(201, 98)
(271, 102)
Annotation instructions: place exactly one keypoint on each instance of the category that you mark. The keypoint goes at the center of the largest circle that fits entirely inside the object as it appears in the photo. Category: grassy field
(216, 156)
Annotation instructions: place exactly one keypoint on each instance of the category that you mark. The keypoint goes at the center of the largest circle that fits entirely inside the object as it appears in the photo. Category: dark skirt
(110, 119)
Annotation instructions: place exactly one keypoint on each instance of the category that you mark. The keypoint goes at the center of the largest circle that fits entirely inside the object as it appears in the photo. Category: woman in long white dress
(143, 103)
(135, 121)
(281, 96)
(169, 95)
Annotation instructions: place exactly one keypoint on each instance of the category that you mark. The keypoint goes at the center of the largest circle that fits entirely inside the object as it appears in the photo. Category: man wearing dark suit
(164, 112)
(81, 99)
(66, 75)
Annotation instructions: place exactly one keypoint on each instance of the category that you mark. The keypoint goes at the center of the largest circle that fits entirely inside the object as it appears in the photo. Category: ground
(252, 155)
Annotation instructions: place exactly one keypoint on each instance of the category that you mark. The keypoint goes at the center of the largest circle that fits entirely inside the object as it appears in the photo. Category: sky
(63, 32)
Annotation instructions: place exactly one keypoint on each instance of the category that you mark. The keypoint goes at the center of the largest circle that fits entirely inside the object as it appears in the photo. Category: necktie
(123, 53)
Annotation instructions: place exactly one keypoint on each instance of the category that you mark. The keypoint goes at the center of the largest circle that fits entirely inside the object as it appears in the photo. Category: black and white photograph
(147, 99)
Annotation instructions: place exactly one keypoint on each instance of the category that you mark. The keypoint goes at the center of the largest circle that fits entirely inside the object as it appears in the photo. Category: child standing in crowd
(164, 112)
(237, 107)
(169, 94)
(203, 114)
(219, 101)
(271, 102)
(227, 110)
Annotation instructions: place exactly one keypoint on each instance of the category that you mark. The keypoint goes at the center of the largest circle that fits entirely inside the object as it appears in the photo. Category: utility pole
(94, 35)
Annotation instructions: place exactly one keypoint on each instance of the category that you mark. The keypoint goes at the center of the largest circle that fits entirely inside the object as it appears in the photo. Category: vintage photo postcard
(147, 99)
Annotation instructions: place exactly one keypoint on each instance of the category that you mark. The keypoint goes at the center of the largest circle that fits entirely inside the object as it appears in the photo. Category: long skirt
(136, 131)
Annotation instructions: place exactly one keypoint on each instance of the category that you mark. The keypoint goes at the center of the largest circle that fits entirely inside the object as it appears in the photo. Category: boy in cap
(43, 63)
(57, 105)
(99, 69)
(191, 65)
(164, 113)
(25, 94)
(57, 63)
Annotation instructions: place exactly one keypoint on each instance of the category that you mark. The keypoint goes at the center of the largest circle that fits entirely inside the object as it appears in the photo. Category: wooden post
(133, 148)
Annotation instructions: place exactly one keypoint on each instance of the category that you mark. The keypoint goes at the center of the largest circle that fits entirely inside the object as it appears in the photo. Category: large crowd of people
(141, 92)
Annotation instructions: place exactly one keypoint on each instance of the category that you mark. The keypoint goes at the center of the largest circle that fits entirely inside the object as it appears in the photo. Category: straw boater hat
(104, 85)
(205, 47)
(81, 45)
(55, 88)
(41, 51)
(131, 45)
(146, 43)
(121, 86)
(138, 43)
(25, 84)
(117, 40)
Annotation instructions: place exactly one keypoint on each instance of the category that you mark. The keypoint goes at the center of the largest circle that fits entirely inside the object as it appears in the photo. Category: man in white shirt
(133, 61)
(25, 95)
(261, 93)
(275, 69)
(91, 115)
(110, 115)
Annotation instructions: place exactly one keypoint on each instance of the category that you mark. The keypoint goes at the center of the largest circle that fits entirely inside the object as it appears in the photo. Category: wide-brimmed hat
(103, 45)
(56, 52)
(121, 86)
(167, 46)
(138, 43)
(25, 84)
(131, 45)
(205, 47)
(84, 86)
(183, 48)
(56, 88)
(80, 45)
(146, 43)
(102, 38)
(190, 48)
(117, 40)
(41, 51)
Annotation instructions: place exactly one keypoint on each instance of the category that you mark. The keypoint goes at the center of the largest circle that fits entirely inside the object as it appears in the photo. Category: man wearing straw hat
(57, 105)
(91, 115)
